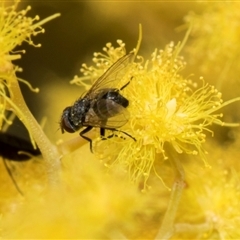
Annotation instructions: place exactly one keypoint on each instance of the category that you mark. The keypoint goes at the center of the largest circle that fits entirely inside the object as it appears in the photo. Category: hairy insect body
(79, 111)
(102, 106)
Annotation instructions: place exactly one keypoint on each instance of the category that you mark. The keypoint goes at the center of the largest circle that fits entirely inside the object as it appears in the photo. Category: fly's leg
(126, 134)
(102, 133)
(126, 84)
(86, 138)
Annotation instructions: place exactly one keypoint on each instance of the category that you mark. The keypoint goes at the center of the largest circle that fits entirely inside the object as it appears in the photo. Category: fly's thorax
(79, 111)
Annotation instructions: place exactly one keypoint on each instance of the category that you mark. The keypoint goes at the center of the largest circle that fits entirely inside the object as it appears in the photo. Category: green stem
(167, 227)
(48, 150)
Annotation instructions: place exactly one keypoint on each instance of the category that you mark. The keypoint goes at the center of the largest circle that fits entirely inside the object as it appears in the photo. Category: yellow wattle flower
(164, 107)
(212, 197)
(15, 28)
(214, 46)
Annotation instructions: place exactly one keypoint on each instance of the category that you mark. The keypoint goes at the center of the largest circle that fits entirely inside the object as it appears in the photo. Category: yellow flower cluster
(215, 39)
(89, 206)
(164, 107)
(15, 28)
(212, 209)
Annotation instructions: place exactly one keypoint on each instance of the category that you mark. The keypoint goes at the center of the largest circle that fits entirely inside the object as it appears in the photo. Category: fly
(102, 106)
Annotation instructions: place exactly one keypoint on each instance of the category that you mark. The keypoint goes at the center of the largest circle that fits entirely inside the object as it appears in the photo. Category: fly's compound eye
(65, 122)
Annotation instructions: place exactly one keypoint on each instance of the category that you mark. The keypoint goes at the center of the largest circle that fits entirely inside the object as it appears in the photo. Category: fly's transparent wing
(109, 115)
(113, 75)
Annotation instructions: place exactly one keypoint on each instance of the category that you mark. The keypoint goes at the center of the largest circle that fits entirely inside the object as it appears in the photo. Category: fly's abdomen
(110, 105)
(116, 97)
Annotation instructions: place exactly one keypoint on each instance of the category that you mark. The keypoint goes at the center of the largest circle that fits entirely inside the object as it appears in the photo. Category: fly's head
(73, 117)
(66, 123)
